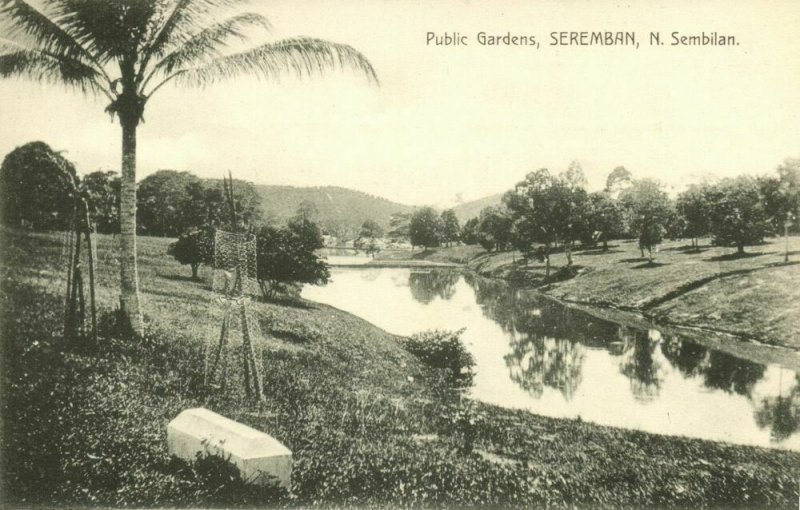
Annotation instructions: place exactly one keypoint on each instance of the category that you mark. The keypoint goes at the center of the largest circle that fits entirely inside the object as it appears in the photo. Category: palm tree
(127, 50)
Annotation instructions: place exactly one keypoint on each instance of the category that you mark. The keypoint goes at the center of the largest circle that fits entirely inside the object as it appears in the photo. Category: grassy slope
(755, 296)
(364, 419)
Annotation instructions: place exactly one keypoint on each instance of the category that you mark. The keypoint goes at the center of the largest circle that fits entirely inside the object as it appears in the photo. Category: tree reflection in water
(428, 285)
(640, 363)
(689, 358)
(548, 346)
(731, 374)
(782, 413)
(538, 362)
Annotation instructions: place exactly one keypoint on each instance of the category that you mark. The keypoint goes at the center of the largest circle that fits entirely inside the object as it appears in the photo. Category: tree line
(170, 204)
(425, 227)
(547, 212)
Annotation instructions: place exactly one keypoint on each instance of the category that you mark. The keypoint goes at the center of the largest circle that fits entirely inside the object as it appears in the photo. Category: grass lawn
(368, 423)
(755, 295)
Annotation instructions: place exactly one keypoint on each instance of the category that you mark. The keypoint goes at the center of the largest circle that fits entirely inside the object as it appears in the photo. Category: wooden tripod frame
(235, 307)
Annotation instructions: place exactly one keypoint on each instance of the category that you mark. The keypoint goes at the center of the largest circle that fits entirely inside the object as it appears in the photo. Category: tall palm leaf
(126, 50)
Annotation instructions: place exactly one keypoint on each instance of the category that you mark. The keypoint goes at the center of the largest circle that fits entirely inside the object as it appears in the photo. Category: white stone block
(261, 459)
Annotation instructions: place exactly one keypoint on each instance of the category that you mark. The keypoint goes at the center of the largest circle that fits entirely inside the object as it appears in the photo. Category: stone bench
(260, 458)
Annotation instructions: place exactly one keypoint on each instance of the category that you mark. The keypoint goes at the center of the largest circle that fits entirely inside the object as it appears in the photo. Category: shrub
(445, 351)
(194, 247)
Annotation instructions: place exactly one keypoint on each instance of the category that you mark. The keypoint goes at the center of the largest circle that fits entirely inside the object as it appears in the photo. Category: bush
(194, 247)
(444, 350)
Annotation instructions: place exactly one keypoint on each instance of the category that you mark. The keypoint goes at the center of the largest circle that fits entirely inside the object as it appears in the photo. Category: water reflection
(781, 414)
(534, 353)
(641, 362)
(548, 345)
(428, 285)
(536, 362)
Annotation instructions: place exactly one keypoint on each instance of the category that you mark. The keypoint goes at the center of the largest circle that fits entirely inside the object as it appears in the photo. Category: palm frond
(299, 56)
(109, 29)
(208, 43)
(181, 24)
(44, 67)
(31, 27)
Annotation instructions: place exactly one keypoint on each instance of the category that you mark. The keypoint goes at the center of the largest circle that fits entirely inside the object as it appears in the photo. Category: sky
(452, 123)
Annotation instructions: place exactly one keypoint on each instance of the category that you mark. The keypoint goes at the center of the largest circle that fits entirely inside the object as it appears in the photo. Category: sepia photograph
(399, 254)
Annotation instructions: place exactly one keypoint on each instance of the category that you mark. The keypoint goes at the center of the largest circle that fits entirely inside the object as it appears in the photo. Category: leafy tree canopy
(286, 257)
(694, 208)
(494, 228)
(605, 218)
(737, 216)
(194, 247)
(649, 209)
(102, 190)
(35, 191)
(450, 226)
(368, 237)
(171, 202)
(425, 228)
(469, 232)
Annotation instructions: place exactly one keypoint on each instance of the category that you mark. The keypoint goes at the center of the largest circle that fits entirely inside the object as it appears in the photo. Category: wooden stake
(90, 253)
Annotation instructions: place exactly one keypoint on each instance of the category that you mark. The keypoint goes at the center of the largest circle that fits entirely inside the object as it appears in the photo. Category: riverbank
(364, 418)
(754, 297)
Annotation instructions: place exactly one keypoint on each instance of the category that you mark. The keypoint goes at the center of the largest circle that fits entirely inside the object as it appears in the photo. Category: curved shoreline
(741, 300)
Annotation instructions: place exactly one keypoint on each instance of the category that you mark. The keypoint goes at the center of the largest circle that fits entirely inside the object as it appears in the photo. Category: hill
(472, 209)
(341, 211)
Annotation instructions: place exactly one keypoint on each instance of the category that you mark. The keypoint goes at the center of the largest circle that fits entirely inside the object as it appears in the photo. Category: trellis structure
(80, 233)
(234, 282)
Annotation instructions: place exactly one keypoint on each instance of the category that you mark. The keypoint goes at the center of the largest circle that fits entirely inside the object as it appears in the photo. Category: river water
(534, 354)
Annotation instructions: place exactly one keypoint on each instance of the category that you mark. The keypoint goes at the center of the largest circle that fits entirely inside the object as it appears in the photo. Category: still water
(534, 354)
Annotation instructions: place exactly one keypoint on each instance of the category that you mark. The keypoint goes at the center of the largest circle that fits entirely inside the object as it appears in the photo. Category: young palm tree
(127, 50)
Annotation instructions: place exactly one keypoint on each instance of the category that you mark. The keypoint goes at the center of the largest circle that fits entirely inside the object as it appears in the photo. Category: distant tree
(399, 224)
(494, 228)
(737, 216)
(693, 207)
(248, 202)
(618, 180)
(194, 247)
(425, 228)
(573, 201)
(203, 204)
(775, 205)
(606, 218)
(102, 189)
(675, 225)
(450, 226)
(469, 232)
(649, 210)
(548, 210)
(33, 190)
(285, 256)
(781, 195)
(307, 210)
(160, 197)
(536, 216)
(172, 202)
(573, 177)
(368, 237)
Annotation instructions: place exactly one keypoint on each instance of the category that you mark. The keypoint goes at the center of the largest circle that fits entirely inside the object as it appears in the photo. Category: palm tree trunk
(130, 312)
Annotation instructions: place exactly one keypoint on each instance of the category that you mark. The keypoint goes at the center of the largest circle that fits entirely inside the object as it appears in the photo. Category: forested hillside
(472, 209)
(339, 211)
